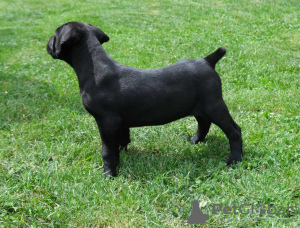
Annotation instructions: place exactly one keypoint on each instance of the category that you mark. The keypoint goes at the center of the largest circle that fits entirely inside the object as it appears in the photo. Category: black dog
(120, 97)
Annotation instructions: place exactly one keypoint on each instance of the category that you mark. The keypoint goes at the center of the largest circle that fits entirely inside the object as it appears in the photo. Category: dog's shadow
(191, 160)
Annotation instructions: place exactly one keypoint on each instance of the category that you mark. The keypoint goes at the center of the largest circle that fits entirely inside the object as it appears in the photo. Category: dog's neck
(90, 61)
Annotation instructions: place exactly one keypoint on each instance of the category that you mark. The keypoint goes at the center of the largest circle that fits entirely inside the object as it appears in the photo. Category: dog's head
(71, 34)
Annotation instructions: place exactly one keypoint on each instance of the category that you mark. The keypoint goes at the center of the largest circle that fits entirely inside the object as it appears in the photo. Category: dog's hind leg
(203, 128)
(124, 138)
(220, 116)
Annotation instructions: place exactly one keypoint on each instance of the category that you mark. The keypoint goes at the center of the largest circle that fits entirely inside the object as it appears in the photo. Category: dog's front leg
(110, 137)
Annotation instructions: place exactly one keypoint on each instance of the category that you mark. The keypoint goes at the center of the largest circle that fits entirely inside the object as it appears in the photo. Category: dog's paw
(193, 140)
(234, 159)
(110, 173)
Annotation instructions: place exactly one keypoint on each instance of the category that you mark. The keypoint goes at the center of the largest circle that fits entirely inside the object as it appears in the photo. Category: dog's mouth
(51, 47)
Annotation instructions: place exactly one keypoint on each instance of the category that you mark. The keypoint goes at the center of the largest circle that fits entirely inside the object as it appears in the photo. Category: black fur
(120, 97)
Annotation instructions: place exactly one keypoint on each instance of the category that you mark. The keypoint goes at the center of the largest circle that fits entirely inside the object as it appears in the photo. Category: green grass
(50, 164)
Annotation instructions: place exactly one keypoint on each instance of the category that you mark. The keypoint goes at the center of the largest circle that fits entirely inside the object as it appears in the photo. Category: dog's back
(161, 95)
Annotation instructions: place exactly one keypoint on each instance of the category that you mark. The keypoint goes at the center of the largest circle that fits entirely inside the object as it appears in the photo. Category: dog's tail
(214, 57)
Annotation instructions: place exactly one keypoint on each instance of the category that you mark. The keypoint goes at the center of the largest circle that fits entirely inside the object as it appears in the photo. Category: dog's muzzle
(51, 47)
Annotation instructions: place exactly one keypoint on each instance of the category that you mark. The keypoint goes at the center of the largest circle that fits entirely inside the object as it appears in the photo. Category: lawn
(50, 163)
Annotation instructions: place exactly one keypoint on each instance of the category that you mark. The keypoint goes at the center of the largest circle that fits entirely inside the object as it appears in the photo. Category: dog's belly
(152, 110)
(141, 118)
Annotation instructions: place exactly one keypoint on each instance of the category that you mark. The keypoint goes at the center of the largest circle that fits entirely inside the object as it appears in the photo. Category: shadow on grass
(200, 160)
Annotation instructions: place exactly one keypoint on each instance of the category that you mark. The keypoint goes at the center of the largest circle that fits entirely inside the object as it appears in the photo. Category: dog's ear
(65, 36)
(101, 36)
